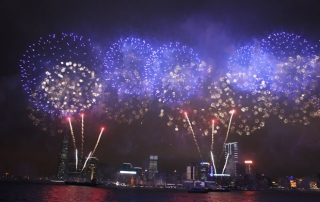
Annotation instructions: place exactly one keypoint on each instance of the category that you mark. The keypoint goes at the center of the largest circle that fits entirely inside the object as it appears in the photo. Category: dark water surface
(15, 191)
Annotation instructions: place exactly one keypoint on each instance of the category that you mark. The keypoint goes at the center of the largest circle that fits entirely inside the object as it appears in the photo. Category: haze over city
(203, 58)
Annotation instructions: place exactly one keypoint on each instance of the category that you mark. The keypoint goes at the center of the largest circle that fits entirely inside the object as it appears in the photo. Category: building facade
(153, 166)
(231, 158)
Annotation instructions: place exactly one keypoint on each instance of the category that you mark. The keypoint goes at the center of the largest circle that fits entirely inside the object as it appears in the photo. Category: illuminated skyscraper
(153, 166)
(63, 157)
(205, 170)
(231, 158)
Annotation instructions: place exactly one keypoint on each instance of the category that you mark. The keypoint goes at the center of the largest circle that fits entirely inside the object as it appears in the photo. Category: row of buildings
(87, 169)
(234, 173)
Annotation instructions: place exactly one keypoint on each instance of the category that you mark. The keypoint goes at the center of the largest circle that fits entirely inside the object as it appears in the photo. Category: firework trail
(232, 112)
(85, 163)
(72, 134)
(97, 141)
(76, 160)
(212, 141)
(225, 164)
(213, 164)
(194, 137)
(82, 135)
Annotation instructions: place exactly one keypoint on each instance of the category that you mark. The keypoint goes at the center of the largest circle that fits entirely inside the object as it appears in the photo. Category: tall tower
(153, 166)
(62, 167)
(231, 157)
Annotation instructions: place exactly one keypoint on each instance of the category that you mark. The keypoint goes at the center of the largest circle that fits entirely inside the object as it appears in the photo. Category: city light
(128, 172)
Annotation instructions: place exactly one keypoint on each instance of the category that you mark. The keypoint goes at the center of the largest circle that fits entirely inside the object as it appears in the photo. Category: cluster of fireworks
(66, 75)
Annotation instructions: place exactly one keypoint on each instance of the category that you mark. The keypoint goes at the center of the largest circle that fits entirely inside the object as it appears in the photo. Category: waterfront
(20, 191)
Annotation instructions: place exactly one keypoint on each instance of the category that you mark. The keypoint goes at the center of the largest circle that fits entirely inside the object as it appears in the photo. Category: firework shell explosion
(283, 45)
(59, 74)
(295, 88)
(129, 79)
(275, 77)
(180, 74)
(250, 69)
(294, 83)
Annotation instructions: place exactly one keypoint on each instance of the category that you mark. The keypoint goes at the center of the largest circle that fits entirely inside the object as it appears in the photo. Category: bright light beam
(82, 135)
(214, 166)
(194, 137)
(76, 160)
(72, 134)
(97, 141)
(225, 164)
(85, 163)
(212, 141)
(231, 112)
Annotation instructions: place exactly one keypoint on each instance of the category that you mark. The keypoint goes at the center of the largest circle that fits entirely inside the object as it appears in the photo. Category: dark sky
(212, 28)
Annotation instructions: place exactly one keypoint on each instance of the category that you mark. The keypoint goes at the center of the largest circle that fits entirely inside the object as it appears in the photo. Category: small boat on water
(198, 190)
(219, 190)
(80, 183)
(93, 183)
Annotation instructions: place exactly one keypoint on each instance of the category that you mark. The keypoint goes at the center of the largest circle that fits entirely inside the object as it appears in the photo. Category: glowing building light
(128, 172)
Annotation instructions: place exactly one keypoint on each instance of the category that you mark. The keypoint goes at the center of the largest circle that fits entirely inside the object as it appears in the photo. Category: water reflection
(75, 193)
(57, 193)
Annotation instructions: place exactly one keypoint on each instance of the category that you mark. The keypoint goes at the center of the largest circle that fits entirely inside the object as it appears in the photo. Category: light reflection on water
(56, 193)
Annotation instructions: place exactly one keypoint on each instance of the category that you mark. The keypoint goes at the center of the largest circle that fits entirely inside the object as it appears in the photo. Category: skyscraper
(231, 158)
(63, 157)
(153, 166)
(204, 170)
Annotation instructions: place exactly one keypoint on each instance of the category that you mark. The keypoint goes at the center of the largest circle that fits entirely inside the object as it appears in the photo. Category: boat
(219, 190)
(93, 183)
(80, 183)
(198, 190)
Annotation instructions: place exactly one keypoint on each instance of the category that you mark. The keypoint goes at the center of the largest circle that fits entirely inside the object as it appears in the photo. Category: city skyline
(213, 30)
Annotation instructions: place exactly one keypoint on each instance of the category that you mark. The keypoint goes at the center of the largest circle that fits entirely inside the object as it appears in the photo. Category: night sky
(212, 28)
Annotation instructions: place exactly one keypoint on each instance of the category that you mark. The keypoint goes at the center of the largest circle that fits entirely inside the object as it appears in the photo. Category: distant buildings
(136, 176)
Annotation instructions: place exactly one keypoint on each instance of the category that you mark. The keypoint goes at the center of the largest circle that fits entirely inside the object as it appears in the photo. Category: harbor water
(22, 191)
